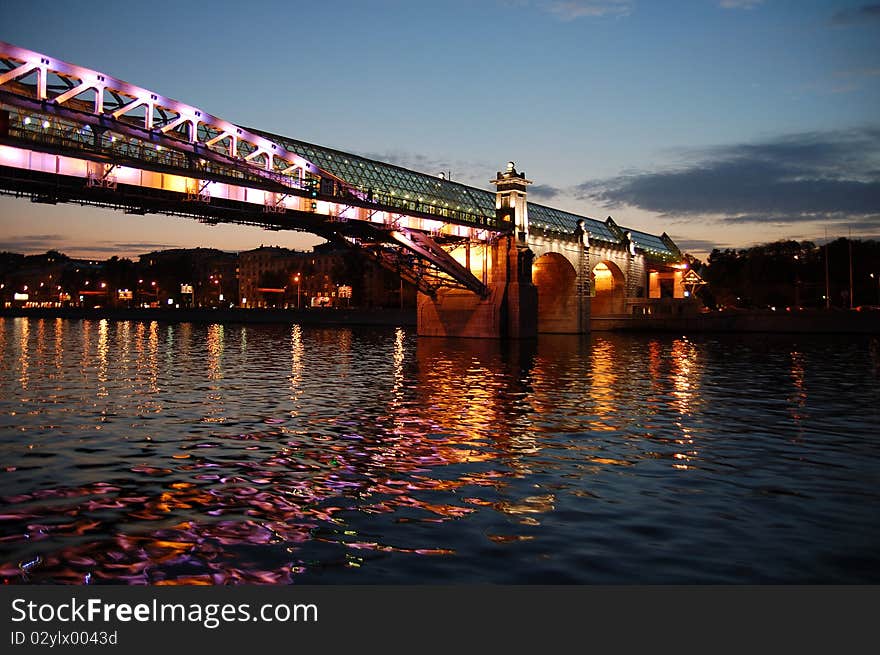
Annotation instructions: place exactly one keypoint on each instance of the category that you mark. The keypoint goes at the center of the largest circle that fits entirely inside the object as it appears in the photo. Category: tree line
(792, 274)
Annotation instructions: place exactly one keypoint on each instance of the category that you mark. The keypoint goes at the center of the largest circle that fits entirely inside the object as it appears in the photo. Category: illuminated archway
(556, 280)
(609, 286)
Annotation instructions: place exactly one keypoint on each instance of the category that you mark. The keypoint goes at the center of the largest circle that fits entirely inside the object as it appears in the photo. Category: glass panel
(431, 193)
(558, 220)
(649, 242)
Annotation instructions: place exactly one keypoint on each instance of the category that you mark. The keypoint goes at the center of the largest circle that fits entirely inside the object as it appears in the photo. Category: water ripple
(148, 453)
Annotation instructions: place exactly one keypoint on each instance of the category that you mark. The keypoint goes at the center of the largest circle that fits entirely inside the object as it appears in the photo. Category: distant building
(188, 277)
(52, 279)
(271, 276)
(265, 275)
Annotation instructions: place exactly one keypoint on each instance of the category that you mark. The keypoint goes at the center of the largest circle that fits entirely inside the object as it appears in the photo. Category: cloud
(574, 9)
(145, 246)
(544, 191)
(856, 15)
(866, 227)
(739, 4)
(110, 250)
(697, 245)
(816, 176)
(570, 10)
(40, 243)
(871, 223)
(858, 72)
(101, 248)
(844, 81)
(31, 242)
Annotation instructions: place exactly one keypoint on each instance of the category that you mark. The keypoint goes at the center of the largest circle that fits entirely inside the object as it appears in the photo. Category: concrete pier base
(459, 313)
(510, 310)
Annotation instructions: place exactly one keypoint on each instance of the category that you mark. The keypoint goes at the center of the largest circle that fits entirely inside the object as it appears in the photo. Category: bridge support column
(510, 310)
(520, 307)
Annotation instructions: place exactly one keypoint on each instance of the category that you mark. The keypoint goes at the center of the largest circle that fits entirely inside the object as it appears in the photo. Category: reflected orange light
(684, 362)
(215, 351)
(798, 398)
(603, 383)
(23, 328)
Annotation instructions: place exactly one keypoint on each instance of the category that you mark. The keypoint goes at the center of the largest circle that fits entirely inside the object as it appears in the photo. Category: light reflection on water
(150, 453)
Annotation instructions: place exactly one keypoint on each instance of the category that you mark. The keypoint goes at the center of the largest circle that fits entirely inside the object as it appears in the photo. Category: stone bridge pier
(511, 307)
(553, 278)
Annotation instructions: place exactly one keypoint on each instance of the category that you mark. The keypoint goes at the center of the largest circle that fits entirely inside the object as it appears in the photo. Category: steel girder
(414, 256)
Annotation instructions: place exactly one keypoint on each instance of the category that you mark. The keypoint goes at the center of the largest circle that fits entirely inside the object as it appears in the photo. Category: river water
(156, 453)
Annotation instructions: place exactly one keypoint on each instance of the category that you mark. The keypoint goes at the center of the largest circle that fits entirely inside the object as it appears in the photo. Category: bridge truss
(71, 134)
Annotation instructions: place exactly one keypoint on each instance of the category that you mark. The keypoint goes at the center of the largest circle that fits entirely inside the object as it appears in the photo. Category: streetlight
(876, 276)
(216, 280)
(298, 280)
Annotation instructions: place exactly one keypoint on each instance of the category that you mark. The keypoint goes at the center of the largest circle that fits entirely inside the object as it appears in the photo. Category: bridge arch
(609, 285)
(556, 281)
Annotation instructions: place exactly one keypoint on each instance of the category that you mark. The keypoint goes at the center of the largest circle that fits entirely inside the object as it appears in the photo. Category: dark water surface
(175, 453)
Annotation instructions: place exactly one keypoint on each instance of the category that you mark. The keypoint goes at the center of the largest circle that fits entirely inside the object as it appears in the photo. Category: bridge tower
(510, 307)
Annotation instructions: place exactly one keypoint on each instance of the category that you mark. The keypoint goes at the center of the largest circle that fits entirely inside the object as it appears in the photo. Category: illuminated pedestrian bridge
(486, 263)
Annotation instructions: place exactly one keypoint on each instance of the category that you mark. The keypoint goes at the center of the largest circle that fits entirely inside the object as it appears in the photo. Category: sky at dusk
(724, 123)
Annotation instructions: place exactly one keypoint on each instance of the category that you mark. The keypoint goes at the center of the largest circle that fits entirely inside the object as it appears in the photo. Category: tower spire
(510, 200)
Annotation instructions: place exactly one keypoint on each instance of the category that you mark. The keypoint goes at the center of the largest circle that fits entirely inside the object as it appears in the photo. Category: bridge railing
(441, 213)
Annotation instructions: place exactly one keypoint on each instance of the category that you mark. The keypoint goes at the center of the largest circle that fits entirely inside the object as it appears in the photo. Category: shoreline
(746, 321)
(328, 317)
(756, 321)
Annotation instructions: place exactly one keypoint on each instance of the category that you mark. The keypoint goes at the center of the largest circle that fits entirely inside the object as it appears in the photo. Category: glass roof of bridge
(381, 178)
(391, 180)
(562, 221)
(649, 242)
